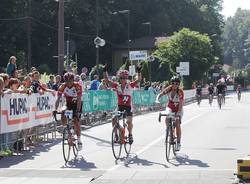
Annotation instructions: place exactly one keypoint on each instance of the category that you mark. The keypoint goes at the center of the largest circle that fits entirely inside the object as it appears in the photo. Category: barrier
(20, 112)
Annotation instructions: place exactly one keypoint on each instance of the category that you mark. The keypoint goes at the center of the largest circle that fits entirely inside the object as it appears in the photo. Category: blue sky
(230, 6)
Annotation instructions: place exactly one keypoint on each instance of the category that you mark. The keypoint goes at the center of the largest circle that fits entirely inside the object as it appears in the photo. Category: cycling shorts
(168, 111)
(125, 108)
(73, 106)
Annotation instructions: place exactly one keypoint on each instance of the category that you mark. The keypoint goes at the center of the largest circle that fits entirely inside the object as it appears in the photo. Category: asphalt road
(212, 140)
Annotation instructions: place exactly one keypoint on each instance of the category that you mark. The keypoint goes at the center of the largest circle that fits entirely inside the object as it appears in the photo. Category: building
(120, 53)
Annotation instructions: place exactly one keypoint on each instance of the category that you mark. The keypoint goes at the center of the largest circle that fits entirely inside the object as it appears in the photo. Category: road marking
(152, 143)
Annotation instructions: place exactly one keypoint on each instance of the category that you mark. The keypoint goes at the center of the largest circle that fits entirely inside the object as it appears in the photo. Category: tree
(187, 46)
(236, 39)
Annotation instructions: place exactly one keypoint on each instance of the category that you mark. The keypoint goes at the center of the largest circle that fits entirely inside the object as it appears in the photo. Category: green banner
(99, 100)
(107, 100)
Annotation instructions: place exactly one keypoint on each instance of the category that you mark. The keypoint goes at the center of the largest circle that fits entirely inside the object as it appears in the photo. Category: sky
(230, 6)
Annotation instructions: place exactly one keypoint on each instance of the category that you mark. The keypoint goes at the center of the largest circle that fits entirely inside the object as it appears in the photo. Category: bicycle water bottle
(122, 135)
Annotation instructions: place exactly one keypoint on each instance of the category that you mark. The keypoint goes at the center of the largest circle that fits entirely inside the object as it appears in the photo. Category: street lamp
(60, 37)
(150, 58)
(68, 42)
(126, 12)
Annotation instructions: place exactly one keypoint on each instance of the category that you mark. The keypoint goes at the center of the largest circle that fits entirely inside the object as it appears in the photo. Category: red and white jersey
(125, 95)
(70, 93)
(174, 98)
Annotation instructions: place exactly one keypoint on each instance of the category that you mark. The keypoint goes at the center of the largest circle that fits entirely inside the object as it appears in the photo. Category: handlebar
(170, 115)
(119, 113)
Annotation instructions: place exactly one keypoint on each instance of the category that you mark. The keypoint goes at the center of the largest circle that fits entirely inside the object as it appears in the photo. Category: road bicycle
(198, 99)
(239, 95)
(69, 141)
(170, 139)
(220, 99)
(120, 134)
(210, 99)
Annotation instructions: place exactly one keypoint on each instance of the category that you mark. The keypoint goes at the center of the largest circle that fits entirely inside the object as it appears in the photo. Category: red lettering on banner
(14, 121)
(41, 116)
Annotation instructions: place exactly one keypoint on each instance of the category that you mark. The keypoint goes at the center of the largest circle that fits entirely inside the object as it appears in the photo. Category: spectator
(84, 78)
(36, 86)
(51, 82)
(11, 66)
(6, 80)
(57, 83)
(104, 85)
(25, 87)
(95, 83)
(1, 86)
(13, 85)
(147, 85)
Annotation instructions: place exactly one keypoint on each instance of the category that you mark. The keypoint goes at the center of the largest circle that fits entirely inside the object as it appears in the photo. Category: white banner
(21, 111)
(138, 55)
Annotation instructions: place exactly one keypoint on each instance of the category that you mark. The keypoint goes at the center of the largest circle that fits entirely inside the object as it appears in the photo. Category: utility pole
(61, 37)
(29, 37)
(97, 34)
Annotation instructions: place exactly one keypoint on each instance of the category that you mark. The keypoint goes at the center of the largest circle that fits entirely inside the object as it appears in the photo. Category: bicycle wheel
(127, 146)
(65, 144)
(167, 143)
(219, 101)
(116, 142)
(75, 145)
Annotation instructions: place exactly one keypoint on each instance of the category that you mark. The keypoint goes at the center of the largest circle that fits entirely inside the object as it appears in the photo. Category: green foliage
(166, 16)
(44, 68)
(236, 39)
(187, 46)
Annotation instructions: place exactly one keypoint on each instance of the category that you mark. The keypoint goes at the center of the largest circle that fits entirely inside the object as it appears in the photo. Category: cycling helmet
(175, 79)
(211, 84)
(69, 76)
(123, 74)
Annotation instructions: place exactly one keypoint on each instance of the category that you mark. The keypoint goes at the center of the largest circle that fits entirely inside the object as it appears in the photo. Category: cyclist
(124, 90)
(220, 88)
(210, 91)
(198, 93)
(175, 104)
(73, 93)
(238, 90)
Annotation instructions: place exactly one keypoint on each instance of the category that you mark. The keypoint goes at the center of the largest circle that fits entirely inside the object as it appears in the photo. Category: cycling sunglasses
(175, 83)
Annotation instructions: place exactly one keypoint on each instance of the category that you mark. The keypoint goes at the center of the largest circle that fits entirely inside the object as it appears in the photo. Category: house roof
(142, 43)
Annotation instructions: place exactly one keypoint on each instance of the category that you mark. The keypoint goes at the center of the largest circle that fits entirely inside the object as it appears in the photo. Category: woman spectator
(57, 83)
(11, 66)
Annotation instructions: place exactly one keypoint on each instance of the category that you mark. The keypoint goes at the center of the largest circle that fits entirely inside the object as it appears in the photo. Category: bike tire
(75, 146)
(116, 144)
(167, 144)
(127, 146)
(65, 144)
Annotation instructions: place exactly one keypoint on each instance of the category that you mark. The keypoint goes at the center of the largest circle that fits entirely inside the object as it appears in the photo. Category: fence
(26, 115)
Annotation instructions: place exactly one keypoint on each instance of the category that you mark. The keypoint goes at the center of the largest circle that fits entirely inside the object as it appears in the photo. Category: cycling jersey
(210, 90)
(238, 89)
(220, 89)
(198, 91)
(174, 100)
(70, 93)
(124, 96)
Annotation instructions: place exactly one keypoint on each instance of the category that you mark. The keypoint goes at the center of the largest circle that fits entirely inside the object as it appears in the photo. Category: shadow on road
(185, 160)
(102, 141)
(28, 154)
(141, 162)
(80, 163)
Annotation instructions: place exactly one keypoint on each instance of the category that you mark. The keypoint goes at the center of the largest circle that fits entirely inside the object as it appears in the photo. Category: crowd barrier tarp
(21, 111)
(99, 100)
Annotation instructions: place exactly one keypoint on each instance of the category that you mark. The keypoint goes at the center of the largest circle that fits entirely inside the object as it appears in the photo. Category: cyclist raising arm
(175, 104)
(73, 93)
(124, 90)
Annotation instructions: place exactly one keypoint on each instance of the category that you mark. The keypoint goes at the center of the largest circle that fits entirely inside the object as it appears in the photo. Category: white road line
(152, 143)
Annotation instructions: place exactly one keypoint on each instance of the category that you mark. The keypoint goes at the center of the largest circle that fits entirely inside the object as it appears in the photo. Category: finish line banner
(21, 111)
